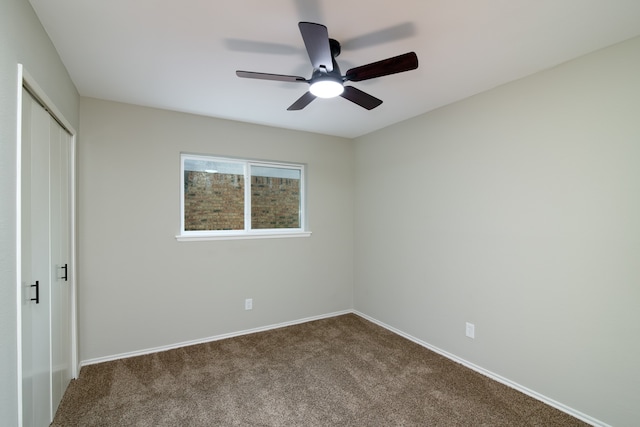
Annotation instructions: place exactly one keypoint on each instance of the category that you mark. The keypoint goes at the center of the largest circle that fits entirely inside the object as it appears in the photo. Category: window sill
(273, 235)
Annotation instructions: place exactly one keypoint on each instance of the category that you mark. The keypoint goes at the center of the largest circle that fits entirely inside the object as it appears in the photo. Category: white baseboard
(209, 339)
(564, 408)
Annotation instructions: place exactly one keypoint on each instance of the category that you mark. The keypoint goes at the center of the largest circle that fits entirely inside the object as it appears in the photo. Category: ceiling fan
(326, 80)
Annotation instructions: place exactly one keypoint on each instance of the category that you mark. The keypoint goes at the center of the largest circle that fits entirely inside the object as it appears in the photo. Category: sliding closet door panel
(60, 257)
(27, 291)
(37, 358)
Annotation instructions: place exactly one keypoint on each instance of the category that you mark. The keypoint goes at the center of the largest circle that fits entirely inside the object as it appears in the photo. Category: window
(233, 198)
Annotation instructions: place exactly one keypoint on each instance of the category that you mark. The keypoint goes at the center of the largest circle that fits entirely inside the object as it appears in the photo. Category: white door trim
(26, 80)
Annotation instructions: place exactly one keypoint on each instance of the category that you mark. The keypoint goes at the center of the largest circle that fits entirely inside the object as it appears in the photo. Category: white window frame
(247, 232)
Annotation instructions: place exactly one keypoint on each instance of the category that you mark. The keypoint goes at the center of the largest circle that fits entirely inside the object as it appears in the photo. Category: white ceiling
(182, 54)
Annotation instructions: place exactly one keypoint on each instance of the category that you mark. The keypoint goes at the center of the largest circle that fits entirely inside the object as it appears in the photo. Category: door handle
(64, 267)
(37, 298)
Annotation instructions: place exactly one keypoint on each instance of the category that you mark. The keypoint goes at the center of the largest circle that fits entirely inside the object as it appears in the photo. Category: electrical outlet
(471, 330)
(248, 304)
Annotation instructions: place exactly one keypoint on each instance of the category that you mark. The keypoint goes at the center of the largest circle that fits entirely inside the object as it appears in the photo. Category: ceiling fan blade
(397, 64)
(267, 76)
(384, 35)
(361, 98)
(316, 40)
(253, 46)
(302, 102)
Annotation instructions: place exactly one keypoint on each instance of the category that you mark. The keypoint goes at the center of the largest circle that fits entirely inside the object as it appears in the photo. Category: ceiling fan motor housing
(335, 47)
(328, 84)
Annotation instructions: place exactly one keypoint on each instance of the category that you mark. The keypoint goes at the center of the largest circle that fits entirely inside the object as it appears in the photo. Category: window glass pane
(275, 197)
(213, 195)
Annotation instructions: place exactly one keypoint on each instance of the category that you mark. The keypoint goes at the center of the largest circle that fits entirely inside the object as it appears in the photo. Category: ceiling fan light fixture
(326, 88)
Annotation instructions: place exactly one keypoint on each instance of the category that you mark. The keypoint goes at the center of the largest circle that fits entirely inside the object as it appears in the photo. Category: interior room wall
(516, 210)
(22, 40)
(142, 289)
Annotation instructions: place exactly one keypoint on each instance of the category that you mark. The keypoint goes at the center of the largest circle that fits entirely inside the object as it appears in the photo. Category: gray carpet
(342, 371)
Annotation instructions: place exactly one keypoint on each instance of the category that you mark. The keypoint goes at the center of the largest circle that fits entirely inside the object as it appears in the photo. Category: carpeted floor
(342, 371)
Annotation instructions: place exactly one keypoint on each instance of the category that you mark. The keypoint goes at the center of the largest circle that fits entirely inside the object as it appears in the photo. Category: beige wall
(517, 210)
(22, 40)
(142, 289)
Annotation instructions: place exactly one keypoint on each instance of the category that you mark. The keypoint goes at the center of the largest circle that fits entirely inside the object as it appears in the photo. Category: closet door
(46, 231)
(36, 265)
(59, 181)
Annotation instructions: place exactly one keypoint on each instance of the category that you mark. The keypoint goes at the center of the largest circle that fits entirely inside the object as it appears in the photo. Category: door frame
(26, 80)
